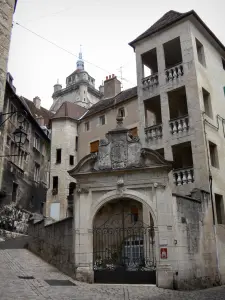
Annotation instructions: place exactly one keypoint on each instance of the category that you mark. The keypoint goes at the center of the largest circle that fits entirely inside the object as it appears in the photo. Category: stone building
(7, 9)
(80, 89)
(76, 132)
(169, 181)
(25, 173)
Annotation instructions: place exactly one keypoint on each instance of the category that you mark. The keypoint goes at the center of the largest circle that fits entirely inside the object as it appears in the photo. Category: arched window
(72, 187)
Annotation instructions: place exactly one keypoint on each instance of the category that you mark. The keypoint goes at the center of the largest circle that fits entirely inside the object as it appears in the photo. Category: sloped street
(25, 276)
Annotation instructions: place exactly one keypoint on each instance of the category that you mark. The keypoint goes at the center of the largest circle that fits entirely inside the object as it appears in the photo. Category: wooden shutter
(134, 131)
(94, 146)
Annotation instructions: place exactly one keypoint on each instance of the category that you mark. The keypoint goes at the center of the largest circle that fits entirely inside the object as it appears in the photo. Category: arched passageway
(124, 243)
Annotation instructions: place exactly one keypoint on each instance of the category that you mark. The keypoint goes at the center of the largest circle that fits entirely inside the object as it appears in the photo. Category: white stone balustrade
(150, 81)
(174, 72)
(180, 124)
(154, 132)
(183, 176)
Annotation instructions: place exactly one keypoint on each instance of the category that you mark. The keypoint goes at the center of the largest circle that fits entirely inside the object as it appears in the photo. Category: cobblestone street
(21, 262)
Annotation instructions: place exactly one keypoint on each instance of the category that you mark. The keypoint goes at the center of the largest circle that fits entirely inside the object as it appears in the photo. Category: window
(71, 160)
(219, 209)
(36, 172)
(84, 99)
(72, 187)
(223, 63)
(8, 140)
(58, 156)
(200, 52)
(76, 143)
(102, 120)
(213, 155)
(37, 142)
(87, 126)
(121, 112)
(55, 211)
(55, 182)
(94, 146)
(13, 110)
(133, 131)
(134, 214)
(207, 103)
(14, 191)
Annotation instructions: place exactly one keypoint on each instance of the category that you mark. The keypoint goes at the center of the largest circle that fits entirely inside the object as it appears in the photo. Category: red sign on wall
(163, 253)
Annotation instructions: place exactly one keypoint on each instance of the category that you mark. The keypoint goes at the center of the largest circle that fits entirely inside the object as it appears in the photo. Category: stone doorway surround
(122, 169)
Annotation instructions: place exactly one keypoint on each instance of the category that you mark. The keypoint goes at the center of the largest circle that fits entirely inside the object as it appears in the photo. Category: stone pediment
(119, 151)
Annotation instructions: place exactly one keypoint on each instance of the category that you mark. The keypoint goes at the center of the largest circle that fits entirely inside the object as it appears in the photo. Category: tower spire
(80, 62)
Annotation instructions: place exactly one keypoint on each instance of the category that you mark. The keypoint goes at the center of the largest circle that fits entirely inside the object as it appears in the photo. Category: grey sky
(102, 27)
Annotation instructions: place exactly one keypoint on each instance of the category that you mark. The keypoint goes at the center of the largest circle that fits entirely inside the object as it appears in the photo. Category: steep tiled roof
(70, 110)
(167, 19)
(46, 114)
(107, 103)
(170, 18)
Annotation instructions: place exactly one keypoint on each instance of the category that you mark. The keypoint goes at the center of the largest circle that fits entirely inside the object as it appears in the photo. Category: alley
(19, 263)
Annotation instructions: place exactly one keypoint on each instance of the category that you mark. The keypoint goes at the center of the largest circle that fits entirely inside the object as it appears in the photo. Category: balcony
(183, 172)
(183, 176)
(154, 132)
(174, 73)
(150, 81)
(150, 72)
(179, 125)
(179, 118)
(173, 60)
(153, 118)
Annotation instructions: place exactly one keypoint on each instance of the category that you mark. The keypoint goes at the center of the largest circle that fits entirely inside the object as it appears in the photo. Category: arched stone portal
(124, 243)
(122, 194)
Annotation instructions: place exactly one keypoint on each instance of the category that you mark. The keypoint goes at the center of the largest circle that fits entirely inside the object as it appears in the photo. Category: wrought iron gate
(124, 251)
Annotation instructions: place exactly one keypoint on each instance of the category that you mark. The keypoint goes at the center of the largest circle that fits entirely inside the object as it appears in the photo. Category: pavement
(33, 286)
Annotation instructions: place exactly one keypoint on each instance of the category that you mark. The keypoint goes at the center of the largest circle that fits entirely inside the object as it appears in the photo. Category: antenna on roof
(121, 77)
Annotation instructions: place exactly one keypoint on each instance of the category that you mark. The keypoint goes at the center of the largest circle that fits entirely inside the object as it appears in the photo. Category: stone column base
(85, 274)
(165, 277)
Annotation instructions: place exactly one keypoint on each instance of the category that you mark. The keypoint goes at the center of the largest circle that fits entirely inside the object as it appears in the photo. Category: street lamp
(20, 136)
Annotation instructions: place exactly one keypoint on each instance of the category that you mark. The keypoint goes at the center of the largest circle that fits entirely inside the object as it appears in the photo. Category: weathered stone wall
(6, 15)
(196, 262)
(53, 243)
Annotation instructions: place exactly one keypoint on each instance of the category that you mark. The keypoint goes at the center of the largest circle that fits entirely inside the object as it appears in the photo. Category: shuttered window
(134, 131)
(94, 146)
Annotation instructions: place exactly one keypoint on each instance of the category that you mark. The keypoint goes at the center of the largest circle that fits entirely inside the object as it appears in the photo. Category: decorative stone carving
(119, 151)
(120, 181)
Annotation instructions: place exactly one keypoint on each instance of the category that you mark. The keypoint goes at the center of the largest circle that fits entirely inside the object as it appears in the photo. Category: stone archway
(123, 243)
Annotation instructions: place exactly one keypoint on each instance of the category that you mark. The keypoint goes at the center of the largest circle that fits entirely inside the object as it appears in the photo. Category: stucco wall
(195, 133)
(98, 131)
(196, 252)
(64, 132)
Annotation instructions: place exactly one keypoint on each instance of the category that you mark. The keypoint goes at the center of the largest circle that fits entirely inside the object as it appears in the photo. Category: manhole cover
(26, 277)
(56, 282)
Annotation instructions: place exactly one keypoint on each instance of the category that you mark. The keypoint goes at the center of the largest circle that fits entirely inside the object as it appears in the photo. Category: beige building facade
(174, 169)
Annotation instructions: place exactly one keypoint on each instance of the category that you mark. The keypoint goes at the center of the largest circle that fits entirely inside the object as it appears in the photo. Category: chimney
(101, 89)
(37, 102)
(112, 86)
